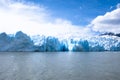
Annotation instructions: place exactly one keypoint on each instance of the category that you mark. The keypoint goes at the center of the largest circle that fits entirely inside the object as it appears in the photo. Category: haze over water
(60, 66)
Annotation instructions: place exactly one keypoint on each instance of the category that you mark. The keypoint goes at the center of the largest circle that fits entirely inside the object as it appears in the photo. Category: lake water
(60, 66)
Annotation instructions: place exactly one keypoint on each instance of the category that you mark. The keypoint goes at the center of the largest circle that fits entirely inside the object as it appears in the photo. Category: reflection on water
(60, 66)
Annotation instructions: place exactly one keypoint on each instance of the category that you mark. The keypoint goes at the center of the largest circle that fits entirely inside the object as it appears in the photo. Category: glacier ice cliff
(39, 43)
(19, 42)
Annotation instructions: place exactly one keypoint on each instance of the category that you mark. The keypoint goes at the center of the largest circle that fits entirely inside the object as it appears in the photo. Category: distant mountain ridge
(111, 34)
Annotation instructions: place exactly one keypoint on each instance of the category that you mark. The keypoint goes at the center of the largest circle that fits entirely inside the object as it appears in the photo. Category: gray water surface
(60, 66)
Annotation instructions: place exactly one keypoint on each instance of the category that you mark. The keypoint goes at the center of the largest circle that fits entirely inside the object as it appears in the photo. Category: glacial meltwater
(60, 66)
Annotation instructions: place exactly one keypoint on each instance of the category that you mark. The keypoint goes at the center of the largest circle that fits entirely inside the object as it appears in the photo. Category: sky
(80, 12)
(53, 17)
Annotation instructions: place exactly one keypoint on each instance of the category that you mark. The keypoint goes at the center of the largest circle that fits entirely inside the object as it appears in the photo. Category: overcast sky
(59, 16)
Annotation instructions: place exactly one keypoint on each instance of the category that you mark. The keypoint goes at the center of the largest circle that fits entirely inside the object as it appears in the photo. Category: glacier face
(22, 42)
(19, 42)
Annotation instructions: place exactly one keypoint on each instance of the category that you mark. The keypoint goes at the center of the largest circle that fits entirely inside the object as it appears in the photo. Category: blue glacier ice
(19, 42)
(40, 43)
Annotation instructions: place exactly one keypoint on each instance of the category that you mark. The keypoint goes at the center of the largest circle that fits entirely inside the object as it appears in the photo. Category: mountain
(111, 34)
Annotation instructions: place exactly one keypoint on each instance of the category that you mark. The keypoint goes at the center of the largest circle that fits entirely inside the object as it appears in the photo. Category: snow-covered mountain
(22, 42)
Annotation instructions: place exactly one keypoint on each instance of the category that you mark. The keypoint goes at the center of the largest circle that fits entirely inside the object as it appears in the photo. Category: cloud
(34, 19)
(110, 22)
(16, 16)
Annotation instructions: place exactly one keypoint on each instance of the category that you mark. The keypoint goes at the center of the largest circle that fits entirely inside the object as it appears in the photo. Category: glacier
(40, 43)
